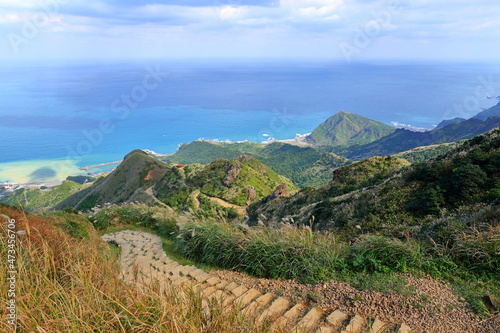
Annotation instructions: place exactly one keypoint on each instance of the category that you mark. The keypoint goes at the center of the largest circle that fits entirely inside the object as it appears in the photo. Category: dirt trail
(194, 200)
(149, 191)
(143, 259)
(239, 209)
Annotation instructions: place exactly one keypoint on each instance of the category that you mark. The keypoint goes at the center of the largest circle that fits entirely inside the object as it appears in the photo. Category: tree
(467, 181)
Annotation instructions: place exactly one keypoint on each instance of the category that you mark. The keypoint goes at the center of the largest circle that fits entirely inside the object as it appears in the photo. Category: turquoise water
(80, 113)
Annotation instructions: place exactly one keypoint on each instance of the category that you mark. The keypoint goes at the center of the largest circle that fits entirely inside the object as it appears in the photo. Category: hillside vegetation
(348, 129)
(239, 182)
(42, 199)
(465, 176)
(68, 281)
(381, 215)
(127, 183)
(424, 153)
(304, 166)
(144, 179)
(347, 179)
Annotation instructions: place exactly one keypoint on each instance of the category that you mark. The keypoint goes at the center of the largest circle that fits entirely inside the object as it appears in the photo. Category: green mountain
(348, 129)
(403, 140)
(142, 178)
(305, 166)
(385, 192)
(238, 182)
(129, 182)
(41, 199)
(342, 138)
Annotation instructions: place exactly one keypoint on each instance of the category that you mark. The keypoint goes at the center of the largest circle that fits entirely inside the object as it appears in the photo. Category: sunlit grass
(70, 284)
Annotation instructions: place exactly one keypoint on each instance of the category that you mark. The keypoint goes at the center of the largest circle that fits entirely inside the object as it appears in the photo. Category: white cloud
(9, 18)
(230, 12)
(294, 27)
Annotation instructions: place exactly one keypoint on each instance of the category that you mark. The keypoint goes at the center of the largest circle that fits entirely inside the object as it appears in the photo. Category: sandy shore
(38, 171)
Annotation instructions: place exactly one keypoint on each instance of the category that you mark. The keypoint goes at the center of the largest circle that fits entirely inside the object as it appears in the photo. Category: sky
(345, 30)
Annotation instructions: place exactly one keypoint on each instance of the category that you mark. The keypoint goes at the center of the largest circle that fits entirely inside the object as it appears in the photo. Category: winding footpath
(143, 260)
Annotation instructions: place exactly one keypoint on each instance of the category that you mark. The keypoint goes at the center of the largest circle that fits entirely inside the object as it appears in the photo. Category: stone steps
(143, 260)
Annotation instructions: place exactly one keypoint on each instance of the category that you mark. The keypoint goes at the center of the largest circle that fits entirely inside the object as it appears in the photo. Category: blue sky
(346, 30)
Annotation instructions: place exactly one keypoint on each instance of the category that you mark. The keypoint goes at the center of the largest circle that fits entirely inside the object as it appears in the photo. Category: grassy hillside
(367, 261)
(68, 281)
(127, 183)
(424, 153)
(348, 129)
(143, 178)
(239, 182)
(305, 166)
(463, 177)
(347, 179)
(42, 199)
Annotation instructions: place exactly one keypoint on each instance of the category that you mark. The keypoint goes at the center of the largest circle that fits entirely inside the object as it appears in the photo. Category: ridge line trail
(239, 209)
(143, 261)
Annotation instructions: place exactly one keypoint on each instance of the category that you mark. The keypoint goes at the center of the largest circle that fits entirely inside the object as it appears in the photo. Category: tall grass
(71, 285)
(160, 219)
(469, 264)
(289, 252)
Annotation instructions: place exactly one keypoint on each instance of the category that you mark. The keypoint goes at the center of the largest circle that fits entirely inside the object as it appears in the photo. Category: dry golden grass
(71, 285)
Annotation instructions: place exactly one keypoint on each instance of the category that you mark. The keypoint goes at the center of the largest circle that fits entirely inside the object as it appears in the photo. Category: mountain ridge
(403, 139)
(145, 179)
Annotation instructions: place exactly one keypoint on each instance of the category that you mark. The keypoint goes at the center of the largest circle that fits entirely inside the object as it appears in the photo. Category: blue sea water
(91, 113)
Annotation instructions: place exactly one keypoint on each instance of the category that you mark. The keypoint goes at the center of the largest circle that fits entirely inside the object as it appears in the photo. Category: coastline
(24, 173)
(36, 171)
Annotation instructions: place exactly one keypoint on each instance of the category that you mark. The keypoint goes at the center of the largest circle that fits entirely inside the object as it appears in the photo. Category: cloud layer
(346, 30)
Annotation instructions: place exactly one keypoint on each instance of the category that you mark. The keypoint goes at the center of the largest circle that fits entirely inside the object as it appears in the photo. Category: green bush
(101, 219)
(75, 229)
(373, 253)
(167, 227)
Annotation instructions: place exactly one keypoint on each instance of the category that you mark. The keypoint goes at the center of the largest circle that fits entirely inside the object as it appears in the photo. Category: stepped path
(143, 260)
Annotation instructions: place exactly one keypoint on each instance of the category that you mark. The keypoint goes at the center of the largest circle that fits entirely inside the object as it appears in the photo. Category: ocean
(55, 118)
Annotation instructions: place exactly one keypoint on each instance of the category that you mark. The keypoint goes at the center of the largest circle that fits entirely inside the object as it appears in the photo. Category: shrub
(373, 253)
(291, 253)
(75, 229)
